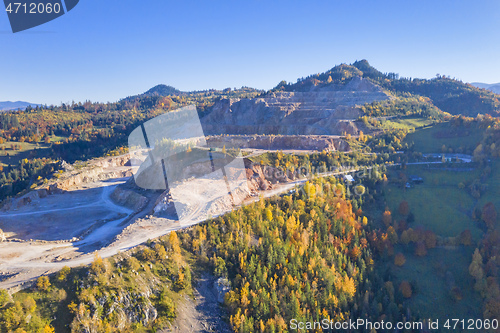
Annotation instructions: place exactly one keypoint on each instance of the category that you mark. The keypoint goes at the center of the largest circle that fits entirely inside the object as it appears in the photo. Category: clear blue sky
(104, 50)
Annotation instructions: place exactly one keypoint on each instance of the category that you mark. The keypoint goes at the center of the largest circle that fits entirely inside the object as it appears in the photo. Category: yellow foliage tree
(174, 242)
(43, 283)
(48, 329)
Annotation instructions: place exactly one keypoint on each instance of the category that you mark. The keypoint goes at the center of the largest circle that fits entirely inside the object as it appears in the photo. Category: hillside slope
(450, 95)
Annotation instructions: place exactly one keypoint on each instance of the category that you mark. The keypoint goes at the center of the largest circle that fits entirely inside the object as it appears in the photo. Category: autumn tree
(404, 208)
(405, 288)
(43, 283)
(405, 237)
(476, 270)
(392, 235)
(174, 242)
(399, 259)
(387, 218)
(489, 215)
(97, 266)
(48, 329)
(63, 273)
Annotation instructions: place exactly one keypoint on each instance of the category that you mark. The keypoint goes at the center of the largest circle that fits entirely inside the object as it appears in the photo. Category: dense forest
(305, 256)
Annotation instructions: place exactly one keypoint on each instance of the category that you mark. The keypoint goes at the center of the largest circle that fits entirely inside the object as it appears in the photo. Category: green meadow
(431, 139)
(440, 205)
(405, 123)
(26, 150)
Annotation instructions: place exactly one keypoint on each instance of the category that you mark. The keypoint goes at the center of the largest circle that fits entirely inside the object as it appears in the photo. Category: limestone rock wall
(316, 112)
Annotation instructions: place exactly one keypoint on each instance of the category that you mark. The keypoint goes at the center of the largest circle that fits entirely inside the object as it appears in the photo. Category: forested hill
(162, 90)
(450, 95)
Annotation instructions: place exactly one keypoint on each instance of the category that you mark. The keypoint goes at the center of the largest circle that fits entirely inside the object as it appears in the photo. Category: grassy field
(432, 297)
(432, 139)
(438, 204)
(493, 192)
(441, 206)
(27, 150)
(405, 123)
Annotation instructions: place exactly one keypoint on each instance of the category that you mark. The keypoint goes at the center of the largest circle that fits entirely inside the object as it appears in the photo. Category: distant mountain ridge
(8, 105)
(495, 87)
(449, 95)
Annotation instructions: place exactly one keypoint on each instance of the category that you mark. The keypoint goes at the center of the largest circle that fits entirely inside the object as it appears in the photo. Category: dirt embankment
(97, 170)
(283, 142)
(128, 198)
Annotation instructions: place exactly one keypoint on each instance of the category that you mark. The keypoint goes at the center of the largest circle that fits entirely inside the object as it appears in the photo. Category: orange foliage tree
(489, 215)
(399, 260)
(387, 218)
(404, 208)
(405, 289)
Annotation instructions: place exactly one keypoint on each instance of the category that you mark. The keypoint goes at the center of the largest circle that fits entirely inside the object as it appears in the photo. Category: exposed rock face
(128, 198)
(321, 111)
(258, 178)
(222, 286)
(298, 142)
(93, 175)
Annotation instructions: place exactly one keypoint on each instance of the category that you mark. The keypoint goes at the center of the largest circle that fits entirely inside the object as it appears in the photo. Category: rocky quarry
(330, 110)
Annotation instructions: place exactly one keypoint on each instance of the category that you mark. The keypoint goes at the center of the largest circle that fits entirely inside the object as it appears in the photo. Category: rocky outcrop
(256, 177)
(129, 199)
(164, 205)
(222, 286)
(315, 112)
